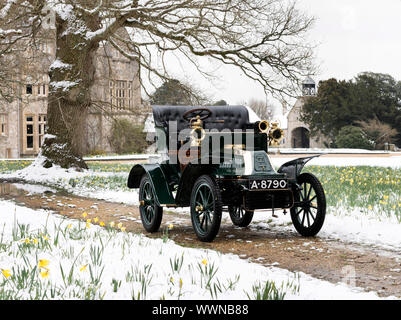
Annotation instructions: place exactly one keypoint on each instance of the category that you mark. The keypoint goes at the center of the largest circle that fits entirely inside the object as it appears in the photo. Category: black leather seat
(235, 117)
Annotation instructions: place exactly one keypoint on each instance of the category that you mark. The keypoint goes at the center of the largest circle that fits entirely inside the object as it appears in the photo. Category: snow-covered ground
(341, 223)
(350, 226)
(65, 258)
(390, 161)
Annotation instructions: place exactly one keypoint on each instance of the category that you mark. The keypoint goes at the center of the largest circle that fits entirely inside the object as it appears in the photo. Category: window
(120, 94)
(29, 132)
(3, 124)
(28, 89)
(41, 128)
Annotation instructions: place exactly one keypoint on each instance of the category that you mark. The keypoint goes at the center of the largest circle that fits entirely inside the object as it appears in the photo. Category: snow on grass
(44, 256)
(364, 203)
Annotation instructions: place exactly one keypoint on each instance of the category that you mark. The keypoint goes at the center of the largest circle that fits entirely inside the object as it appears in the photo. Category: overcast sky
(352, 36)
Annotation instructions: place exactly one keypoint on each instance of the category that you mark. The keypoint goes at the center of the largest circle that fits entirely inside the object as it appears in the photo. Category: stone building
(296, 132)
(116, 94)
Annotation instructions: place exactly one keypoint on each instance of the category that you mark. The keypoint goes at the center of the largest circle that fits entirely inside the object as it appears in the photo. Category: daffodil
(111, 224)
(35, 241)
(45, 274)
(83, 268)
(180, 283)
(84, 215)
(43, 263)
(6, 273)
(89, 221)
(119, 225)
(170, 226)
(96, 220)
(69, 226)
(123, 229)
(101, 224)
(204, 262)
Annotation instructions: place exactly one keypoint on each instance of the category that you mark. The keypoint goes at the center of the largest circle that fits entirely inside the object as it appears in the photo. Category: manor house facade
(23, 118)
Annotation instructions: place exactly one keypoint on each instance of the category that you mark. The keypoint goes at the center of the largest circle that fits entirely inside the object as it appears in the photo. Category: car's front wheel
(151, 213)
(309, 210)
(206, 208)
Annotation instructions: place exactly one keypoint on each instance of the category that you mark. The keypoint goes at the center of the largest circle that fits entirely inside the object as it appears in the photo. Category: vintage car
(213, 159)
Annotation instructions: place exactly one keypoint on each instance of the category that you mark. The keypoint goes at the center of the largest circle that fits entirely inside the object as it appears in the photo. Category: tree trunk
(69, 99)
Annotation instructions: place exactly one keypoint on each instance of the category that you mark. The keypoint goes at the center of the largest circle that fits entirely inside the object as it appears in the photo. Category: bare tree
(378, 132)
(261, 108)
(264, 39)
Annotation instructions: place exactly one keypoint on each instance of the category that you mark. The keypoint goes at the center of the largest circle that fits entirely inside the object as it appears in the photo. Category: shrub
(127, 137)
(354, 138)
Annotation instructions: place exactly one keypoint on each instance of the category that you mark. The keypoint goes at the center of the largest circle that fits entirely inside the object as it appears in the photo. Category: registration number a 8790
(267, 184)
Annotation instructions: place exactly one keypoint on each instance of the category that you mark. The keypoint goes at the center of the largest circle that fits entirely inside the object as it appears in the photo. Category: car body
(214, 159)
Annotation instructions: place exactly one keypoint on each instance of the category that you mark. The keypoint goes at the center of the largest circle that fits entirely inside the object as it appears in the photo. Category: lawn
(374, 190)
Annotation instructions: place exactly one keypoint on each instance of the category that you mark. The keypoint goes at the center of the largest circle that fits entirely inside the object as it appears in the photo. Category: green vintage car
(213, 159)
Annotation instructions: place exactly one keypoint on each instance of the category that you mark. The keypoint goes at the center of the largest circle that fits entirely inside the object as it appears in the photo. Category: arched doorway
(300, 138)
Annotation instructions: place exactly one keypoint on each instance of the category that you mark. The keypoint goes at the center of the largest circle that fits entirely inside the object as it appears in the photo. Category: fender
(158, 179)
(188, 178)
(294, 167)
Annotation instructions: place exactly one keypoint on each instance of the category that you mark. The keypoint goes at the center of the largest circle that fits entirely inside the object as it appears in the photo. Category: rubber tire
(314, 229)
(240, 222)
(211, 234)
(154, 224)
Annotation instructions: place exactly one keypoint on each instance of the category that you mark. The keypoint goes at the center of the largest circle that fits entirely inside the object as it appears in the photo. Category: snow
(341, 224)
(120, 252)
(392, 161)
(58, 64)
(4, 11)
(65, 85)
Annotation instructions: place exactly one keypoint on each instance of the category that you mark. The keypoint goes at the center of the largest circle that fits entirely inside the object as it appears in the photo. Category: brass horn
(276, 134)
(263, 126)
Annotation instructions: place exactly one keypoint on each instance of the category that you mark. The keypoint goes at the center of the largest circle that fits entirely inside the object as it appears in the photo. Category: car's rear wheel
(309, 210)
(206, 208)
(151, 213)
(239, 216)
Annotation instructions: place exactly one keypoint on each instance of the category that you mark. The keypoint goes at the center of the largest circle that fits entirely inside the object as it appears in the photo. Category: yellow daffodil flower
(43, 263)
(45, 274)
(6, 273)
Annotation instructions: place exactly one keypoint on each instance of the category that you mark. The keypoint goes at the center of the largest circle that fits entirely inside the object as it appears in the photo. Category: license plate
(268, 184)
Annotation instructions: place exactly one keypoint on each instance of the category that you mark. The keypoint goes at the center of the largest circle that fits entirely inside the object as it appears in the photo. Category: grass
(10, 166)
(36, 266)
(372, 189)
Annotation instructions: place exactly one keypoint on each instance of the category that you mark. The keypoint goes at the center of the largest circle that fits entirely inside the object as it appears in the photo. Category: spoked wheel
(151, 213)
(206, 208)
(309, 210)
(239, 216)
